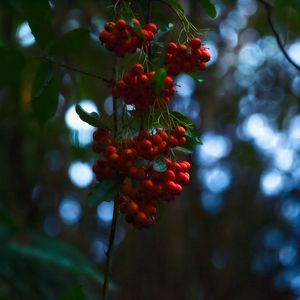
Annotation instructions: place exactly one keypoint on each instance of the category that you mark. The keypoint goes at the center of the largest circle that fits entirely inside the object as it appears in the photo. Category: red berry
(171, 48)
(168, 82)
(121, 24)
(195, 43)
(179, 131)
(110, 150)
(151, 27)
(172, 141)
(156, 139)
(147, 184)
(104, 36)
(137, 69)
(169, 175)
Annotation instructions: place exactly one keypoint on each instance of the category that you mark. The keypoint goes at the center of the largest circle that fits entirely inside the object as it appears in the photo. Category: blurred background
(235, 231)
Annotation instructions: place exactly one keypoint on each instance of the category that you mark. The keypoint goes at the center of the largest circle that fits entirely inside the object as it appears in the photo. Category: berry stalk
(116, 209)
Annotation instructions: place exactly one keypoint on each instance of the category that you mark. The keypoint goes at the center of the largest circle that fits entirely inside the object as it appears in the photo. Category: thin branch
(268, 8)
(110, 250)
(116, 211)
(74, 69)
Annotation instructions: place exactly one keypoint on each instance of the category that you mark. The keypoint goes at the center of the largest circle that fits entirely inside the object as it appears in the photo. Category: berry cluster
(136, 88)
(134, 161)
(186, 58)
(121, 38)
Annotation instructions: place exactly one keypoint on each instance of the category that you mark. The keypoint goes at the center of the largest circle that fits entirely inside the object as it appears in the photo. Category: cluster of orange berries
(134, 161)
(121, 38)
(136, 88)
(186, 58)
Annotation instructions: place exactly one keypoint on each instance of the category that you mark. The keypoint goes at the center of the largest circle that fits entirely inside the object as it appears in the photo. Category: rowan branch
(268, 8)
(74, 69)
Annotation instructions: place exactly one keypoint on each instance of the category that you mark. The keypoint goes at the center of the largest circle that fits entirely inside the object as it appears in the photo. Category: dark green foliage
(105, 190)
(74, 293)
(11, 65)
(209, 8)
(158, 80)
(70, 43)
(39, 16)
(91, 118)
(44, 93)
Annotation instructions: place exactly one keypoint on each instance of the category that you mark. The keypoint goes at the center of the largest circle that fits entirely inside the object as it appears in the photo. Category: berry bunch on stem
(137, 163)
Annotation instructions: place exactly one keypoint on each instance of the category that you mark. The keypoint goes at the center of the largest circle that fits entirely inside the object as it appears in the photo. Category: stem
(276, 34)
(115, 212)
(74, 69)
(110, 251)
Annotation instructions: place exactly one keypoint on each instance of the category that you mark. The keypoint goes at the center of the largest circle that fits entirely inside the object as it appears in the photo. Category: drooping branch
(268, 8)
(74, 69)
(113, 228)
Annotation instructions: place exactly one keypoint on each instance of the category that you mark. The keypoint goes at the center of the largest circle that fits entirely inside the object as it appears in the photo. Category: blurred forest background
(233, 234)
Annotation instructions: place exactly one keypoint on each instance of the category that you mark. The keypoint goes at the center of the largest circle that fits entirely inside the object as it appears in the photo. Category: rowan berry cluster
(136, 88)
(186, 58)
(121, 37)
(133, 160)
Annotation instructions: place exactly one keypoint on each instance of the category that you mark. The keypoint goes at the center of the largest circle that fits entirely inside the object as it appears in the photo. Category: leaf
(12, 63)
(70, 43)
(209, 8)
(105, 190)
(91, 118)
(54, 255)
(162, 31)
(192, 140)
(38, 14)
(45, 93)
(159, 164)
(74, 293)
(186, 122)
(158, 80)
(195, 76)
(183, 149)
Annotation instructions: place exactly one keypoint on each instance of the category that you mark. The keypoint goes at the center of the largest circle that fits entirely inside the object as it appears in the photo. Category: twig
(268, 8)
(115, 212)
(74, 69)
(110, 250)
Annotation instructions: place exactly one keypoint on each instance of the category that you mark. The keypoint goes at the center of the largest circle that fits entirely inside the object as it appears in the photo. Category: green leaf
(74, 293)
(158, 80)
(45, 93)
(186, 122)
(91, 118)
(38, 14)
(52, 254)
(209, 8)
(162, 31)
(70, 43)
(183, 149)
(105, 190)
(195, 76)
(192, 140)
(159, 164)
(12, 63)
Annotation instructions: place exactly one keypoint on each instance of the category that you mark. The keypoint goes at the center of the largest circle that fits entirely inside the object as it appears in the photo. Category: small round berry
(137, 69)
(195, 43)
(171, 48)
(168, 82)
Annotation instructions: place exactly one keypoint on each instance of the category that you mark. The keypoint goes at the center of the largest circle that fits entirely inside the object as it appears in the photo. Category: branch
(268, 8)
(116, 208)
(74, 69)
